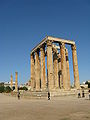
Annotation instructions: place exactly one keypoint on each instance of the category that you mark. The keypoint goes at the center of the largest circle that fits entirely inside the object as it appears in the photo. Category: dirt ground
(62, 108)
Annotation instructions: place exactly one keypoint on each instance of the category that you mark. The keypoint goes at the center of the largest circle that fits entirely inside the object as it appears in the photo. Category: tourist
(18, 95)
(89, 94)
(48, 95)
(79, 96)
(83, 95)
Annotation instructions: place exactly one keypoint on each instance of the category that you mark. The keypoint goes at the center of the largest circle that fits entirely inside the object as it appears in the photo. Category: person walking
(48, 95)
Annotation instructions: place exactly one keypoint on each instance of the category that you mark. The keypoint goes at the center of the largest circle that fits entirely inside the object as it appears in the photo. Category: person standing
(48, 95)
(18, 95)
(89, 94)
(83, 95)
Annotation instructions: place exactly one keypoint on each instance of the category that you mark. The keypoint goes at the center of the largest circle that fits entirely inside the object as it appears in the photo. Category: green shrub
(88, 85)
(23, 88)
(7, 89)
(1, 89)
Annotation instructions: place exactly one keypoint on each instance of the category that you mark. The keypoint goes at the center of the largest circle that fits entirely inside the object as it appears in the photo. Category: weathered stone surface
(42, 58)
(63, 66)
(55, 63)
(50, 66)
(70, 42)
(59, 72)
(37, 71)
(16, 81)
(11, 82)
(75, 67)
(32, 73)
(67, 69)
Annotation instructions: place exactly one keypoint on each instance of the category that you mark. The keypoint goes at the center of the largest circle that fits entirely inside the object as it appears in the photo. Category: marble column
(67, 68)
(50, 65)
(16, 81)
(37, 70)
(63, 66)
(11, 82)
(32, 73)
(75, 67)
(55, 63)
(59, 71)
(42, 58)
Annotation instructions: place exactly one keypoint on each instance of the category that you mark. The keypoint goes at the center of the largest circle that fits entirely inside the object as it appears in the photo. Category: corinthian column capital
(42, 48)
(49, 43)
(62, 45)
(73, 47)
(66, 53)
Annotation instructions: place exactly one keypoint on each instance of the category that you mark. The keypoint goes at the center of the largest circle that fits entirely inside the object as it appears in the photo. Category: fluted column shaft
(32, 73)
(42, 58)
(75, 67)
(37, 70)
(67, 68)
(50, 65)
(16, 81)
(63, 66)
(55, 63)
(59, 72)
(11, 82)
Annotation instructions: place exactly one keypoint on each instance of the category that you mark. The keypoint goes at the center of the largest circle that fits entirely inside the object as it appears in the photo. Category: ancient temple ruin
(50, 65)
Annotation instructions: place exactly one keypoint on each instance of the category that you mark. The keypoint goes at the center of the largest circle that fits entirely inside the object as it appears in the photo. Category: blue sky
(24, 23)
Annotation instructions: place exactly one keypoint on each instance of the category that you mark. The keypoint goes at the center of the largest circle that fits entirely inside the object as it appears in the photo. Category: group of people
(83, 94)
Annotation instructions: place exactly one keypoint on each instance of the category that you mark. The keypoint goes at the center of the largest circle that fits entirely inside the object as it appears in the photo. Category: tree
(23, 88)
(7, 89)
(1, 89)
(88, 84)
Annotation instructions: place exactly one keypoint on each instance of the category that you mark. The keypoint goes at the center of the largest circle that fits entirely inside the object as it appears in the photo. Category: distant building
(1, 83)
(27, 84)
(86, 81)
(84, 85)
(9, 84)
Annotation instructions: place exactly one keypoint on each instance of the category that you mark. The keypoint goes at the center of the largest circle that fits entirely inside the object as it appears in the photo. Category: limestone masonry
(56, 74)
